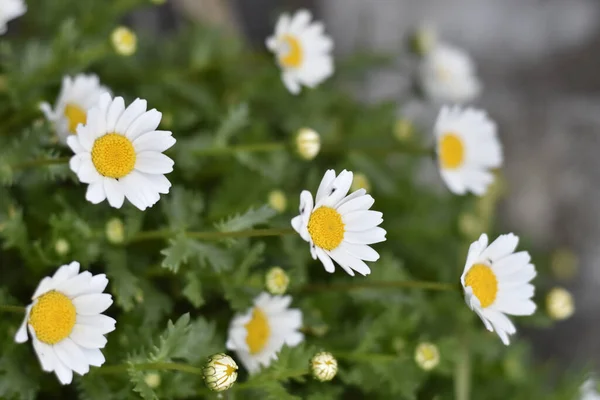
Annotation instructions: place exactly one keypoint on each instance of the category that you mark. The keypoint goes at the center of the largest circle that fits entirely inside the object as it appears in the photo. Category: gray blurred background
(540, 65)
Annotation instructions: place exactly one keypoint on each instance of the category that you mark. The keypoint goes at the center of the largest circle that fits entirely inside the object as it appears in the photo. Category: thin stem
(343, 287)
(163, 234)
(121, 368)
(13, 309)
(40, 162)
(242, 148)
(462, 372)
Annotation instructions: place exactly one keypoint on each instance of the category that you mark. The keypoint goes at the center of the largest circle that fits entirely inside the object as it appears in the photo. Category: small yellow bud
(308, 143)
(403, 129)
(560, 304)
(324, 366)
(124, 41)
(427, 356)
(278, 200)
(360, 181)
(153, 380)
(277, 281)
(115, 231)
(62, 247)
(220, 372)
(564, 264)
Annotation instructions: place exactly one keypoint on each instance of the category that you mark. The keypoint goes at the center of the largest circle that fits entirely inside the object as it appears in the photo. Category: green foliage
(219, 98)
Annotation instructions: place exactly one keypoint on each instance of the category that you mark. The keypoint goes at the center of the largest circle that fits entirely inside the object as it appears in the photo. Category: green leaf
(172, 340)
(183, 208)
(179, 250)
(249, 219)
(193, 289)
(124, 283)
(236, 119)
(140, 386)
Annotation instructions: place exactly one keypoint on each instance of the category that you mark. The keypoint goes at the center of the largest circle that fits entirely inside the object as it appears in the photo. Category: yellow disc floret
(452, 151)
(113, 155)
(484, 283)
(326, 228)
(258, 331)
(294, 56)
(75, 115)
(52, 317)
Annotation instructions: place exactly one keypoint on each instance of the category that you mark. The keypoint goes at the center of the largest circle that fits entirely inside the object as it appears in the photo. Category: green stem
(462, 372)
(322, 287)
(242, 148)
(40, 162)
(122, 368)
(13, 309)
(165, 233)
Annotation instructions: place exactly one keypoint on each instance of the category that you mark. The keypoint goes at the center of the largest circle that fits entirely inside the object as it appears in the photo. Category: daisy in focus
(339, 226)
(260, 333)
(77, 96)
(9, 10)
(496, 283)
(468, 148)
(66, 323)
(303, 51)
(447, 75)
(119, 153)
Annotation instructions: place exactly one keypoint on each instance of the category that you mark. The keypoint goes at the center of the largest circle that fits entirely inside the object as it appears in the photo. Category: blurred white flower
(448, 75)
(124, 41)
(467, 148)
(303, 51)
(119, 153)
(588, 390)
(427, 356)
(77, 96)
(496, 283)
(308, 143)
(560, 304)
(9, 10)
(259, 334)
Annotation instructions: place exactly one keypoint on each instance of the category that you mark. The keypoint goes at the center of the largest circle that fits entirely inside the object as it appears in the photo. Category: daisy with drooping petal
(66, 323)
(259, 334)
(467, 148)
(77, 96)
(496, 283)
(303, 51)
(448, 75)
(9, 10)
(340, 226)
(119, 153)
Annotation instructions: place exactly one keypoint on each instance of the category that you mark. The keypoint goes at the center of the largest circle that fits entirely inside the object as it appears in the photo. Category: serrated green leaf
(236, 119)
(140, 386)
(172, 340)
(193, 289)
(123, 282)
(249, 219)
(177, 254)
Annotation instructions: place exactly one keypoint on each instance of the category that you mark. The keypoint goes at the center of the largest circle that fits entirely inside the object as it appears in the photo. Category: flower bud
(277, 200)
(560, 304)
(323, 366)
(277, 281)
(124, 41)
(115, 231)
(308, 143)
(427, 356)
(153, 380)
(220, 372)
(62, 247)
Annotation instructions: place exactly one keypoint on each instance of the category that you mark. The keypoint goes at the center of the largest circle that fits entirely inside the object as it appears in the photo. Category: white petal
(88, 337)
(306, 205)
(158, 141)
(361, 251)
(95, 193)
(515, 307)
(75, 145)
(325, 260)
(72, 356)
(153, 162)
(135, 109)
(75, 286)
(324, 187)
(290, 82)
(297, 223)
(65, 272)
(103, 323)
(98, 283)
(94, 356)
(87, 172)
(45, 285)
(362, 224)
(300, 21)
(361, 203)
(351, 196)
(294, 339)
(92, 304)
(45, 354)
(371, 236)
(160, 182)
(339, 189)
(114, 192)
(145, 123)
(64, 374)
(501, 247)
(511, 264)
(21, 335)
(77, 160)
(115, 110)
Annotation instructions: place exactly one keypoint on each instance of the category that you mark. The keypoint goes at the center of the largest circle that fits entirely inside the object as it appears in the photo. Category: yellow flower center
(52, 317)
(258, 331)
(113, 155)
(484, 283)
(294, 56)
(76, 115)
(326, 228)
(452, 151)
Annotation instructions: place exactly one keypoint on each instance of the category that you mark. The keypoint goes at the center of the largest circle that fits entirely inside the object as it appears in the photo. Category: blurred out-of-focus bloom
(496, 282)
(9, 10)
(153, 380)
(589, 390)
(277, 281)
(560, 304)
(303, 51)
(467, 148)
(404, 129)
(308, 143)
(427, 356)
(277, 200)
(220, 372)
(339, 226)
(115, 231)
(323, 366)
(124, 41)
(62, 247)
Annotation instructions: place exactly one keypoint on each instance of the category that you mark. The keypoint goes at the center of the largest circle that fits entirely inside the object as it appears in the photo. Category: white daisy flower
(447, 75)
(9, 10)
(66, 323)
(119, 153)
(77, 96)
(340, 227)
(467, 148)
(303, 51)
(259, 334)
(496, 283)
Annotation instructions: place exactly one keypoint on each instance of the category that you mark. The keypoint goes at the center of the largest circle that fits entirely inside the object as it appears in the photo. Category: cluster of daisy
(118, 152)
